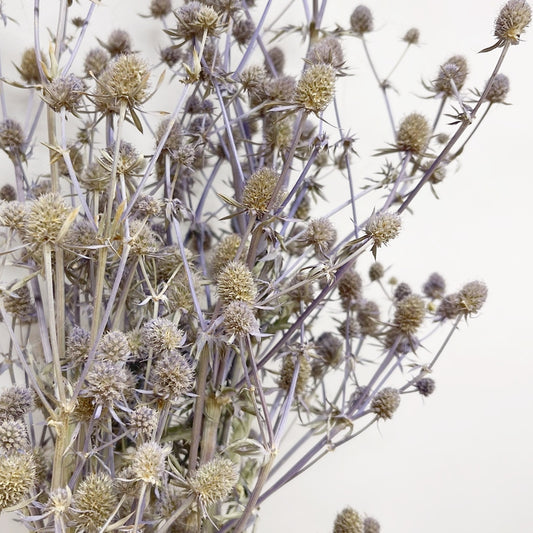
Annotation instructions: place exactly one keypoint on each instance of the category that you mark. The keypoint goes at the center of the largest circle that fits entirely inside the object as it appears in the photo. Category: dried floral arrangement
(172, 314)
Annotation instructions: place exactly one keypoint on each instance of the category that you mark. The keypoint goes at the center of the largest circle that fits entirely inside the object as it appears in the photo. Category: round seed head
(93, 502)
(397, 340)
(114, 346)
(371, 525)
(213, 481)
(410, 313)
(435, 286)
(149, 462)
(276, 58)
(315, 89)
(118, 42)
(45, 219)
(143, 421)
(287, 373)
(412, 36)
(17, 478)
(239, 319)
(280, 89)
(329, 51)
(361, 20)
(252, 79)
(258, 190)
(449, 307)
(349, 327)
(64, 92)
(350, 289)
(376, 271)
(95, 62)
(320, 234)
(472, 297)
(170, 55)
(129, 162)
(368, 317)
(383, 227)
(243, 31)
(402, 290)
(7, 192)
(13, 215)
(425, 386)
(385, 402)
(28, 68)
(224, 252)
(143, 240)
(329, 348)
(456, 69)
(195, 18)
(13, 437)
(512, 20)
(235, 282)
(160, 8)
(413, 133)
(15, 402)
(162, 335)
(11, 137)
(348, 521)
(499, 89)
(107, 383)
(20, 304)
(78, 345)
(59, 501)
(172, 376)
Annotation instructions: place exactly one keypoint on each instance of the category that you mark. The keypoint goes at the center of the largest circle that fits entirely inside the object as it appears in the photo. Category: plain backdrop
(459, 460)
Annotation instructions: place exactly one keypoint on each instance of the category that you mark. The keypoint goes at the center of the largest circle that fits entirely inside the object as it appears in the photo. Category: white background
(459, 460)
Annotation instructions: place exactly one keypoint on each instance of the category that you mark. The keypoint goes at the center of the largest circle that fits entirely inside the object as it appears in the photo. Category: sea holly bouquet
(172, 312)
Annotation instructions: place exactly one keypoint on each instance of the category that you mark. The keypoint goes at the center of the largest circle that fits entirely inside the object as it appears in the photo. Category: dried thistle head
(376, 271)
(301, 355)
(435, 286)
(472, 297)
(149, 461)
(213, 481)
(258, 191)
(93, 502)
(243, 30)
(456, 70)
(20, 304)
(17, 477)
(513, 19)
(172, 376)
(28, 68)
(126, 79)
(425, 386)
(348, 521)
(15, 402)
(224, 252)
(170, 55)
(371, 525)
(118, 42)
(499, 89)
(276, 59)
(235, 282)
(113, 346)
(13, 437)
(320, 234)
(12, 138)
(8, 193)
(162, 335)
(95, 62)
(240, 320)
(64, 92)
(410, 313)
(316, 88)
(330, 350)
(329, 51)
(385, 402)
(368, 315)
(13, 215)
(143, 421)
(361, 20)
(401, 291)
(413, 134)
(194, 19)
(129, 162)
(160, 8)
(350, 289)
(383, 227)
(449, 307)
(108, 383)
(45, 219)
(411, 36)
(78, 345)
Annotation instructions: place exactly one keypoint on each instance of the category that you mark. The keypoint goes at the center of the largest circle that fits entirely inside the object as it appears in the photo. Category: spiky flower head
(472, 297)
(275, 58)
(126, 79)
(361, 20)
(513, 19)
(59, 501)
(368, 317)
(401, 291)
(240, 320)
(170, 55)
(149, 462)
(11, 137)
(213, 481)
(160, 8)
(114, 346)
(371, 525)
(413, 134)
(258, 191)
(410, 313)
(45, 219)
(385, 402)
(64, 92)
(13, 437)
(78, 345)
(129, 161)
(118, 42)
(449, 307)
(376, 271)
(456, 70)
(95, 62)
(425, 386)
(172, 376)
(28, 68)
(161, 335)
(411, 36)
(13, 215)
(328, 50)
(107, 382)
(320, 234)
(195, 18)
(143, 421)
(93, 502)
(288, 369)
(348, 521)
(8, 193)
(383, 227)
(315, 89)
(499, 89)
(20, 304)
(17, 477)
(224, 252)
(350, 288)
(435, 286)
(243, 30)
(235, 282)
(15, 402)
